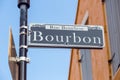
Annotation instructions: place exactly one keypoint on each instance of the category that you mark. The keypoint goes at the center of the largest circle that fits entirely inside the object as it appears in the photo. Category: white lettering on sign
(86, 39)
(97, 40)
(59, 38)
(76, 39)
(49, 38)
(38, 36)
(58, 27)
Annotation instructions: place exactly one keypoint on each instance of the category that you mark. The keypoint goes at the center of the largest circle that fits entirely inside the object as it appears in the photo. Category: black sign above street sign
(69, 36)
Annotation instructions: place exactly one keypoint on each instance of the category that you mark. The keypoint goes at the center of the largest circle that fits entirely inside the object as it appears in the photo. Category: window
(113, 20)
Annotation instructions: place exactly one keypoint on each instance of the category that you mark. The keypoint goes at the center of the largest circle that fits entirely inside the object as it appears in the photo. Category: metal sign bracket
(18, 59)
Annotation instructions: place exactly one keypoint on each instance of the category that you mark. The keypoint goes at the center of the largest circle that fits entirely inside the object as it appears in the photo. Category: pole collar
(23, 59)
(25, 2)
(18, 59)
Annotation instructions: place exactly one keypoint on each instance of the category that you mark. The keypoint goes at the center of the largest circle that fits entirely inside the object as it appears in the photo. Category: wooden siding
(12, 55)
(74, 70)
(99, 58)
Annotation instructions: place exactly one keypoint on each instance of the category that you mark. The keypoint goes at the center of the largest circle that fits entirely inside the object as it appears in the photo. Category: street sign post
(12, 57)
(23, 5)
(65, 36)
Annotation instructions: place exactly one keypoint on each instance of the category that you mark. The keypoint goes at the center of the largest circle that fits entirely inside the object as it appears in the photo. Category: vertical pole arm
(23, 5)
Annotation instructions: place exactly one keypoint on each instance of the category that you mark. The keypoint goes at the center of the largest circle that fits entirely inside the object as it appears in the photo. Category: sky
(45, 63)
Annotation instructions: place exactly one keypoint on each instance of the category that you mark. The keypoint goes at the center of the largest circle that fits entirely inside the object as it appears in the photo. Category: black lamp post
(23, 5)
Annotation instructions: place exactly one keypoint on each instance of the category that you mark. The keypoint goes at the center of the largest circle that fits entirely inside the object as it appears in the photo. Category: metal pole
(23, 5)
